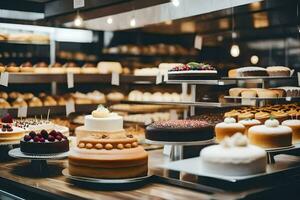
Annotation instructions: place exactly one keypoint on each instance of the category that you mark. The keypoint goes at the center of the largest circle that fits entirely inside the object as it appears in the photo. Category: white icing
(101, 112)
(252, 68)
(291, 122)
(249, 121)
(272, 123)
(229, 125)
(270, 130)
(229, 120)
(111, 123)
(15, 130)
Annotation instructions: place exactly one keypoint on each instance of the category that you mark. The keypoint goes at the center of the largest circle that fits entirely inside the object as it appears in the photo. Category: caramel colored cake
(270, 135)
(104, 150)
(294, 124)
(180, 131)
(228, 128)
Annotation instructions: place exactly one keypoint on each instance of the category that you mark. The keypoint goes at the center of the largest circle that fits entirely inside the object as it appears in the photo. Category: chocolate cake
(44, 143)
(180, 131)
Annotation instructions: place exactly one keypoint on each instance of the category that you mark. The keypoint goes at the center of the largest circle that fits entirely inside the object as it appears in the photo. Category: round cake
(228, 128)
(278, 71)
(108, 158)
(251, 71)
(233, 157)
(294, 124)
(180, 131)
(248, 123)
(8, 132)
(44, 143)
(270, 135)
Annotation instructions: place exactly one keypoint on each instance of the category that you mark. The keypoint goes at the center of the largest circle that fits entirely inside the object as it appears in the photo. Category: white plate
(17, 153)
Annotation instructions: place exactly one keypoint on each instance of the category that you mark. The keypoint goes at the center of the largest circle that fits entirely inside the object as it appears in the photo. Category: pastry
(15, 95)
(27, 96)
(44, 143)
(57, 68)
(3, 95)
(180, 130)
(236, 92)
(233, 157)
(109, 67)
(264, 93)
(2, 68)
(26, 67)
(279, 115)
(89, 68)
(72, 67)
(61, 101)
(294, 124)
(280, 92)
(35, 102)
(278, 71)
(270, 135)
(246, 115)
(4, 103)
(232, 114)
(50, 101)
(232, 73)
(19, 102)
(228, 128)
(248, 93)
(12, 67)
(96, 97)
(251, 71)
(41, 68)
(262, 116)
(115, 96)
(248, 123)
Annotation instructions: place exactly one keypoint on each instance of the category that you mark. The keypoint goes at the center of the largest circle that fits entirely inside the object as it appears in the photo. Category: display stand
(177, 147)
(38, 162)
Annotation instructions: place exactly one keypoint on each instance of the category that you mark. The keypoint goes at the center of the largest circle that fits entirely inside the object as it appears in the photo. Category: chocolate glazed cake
(180, 131)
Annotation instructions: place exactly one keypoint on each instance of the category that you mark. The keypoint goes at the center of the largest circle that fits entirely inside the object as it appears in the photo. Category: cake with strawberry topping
(192, 70)
(44, 142)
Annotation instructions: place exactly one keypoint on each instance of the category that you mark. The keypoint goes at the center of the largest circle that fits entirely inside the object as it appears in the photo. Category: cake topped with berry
(7, 119)
(44, 142)
(193, 67)
(8, 132)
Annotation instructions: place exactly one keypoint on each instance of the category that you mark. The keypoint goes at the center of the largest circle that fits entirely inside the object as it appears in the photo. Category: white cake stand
(38, 161)
(177, 147)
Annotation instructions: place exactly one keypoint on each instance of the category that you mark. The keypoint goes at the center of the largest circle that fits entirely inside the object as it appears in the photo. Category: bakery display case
(185, 99)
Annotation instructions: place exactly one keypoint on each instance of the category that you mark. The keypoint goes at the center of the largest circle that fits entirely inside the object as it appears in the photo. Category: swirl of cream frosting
(237, 140)
(229, 120)
(101, 112)
(273, 123)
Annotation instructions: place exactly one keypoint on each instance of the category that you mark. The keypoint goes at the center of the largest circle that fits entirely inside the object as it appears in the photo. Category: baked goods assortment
(265, 93)
(180, 131)
(147, 118)
(25, 37)
(192, 70)
(137, 95)
(9, 132)
(44, 142)
(80, 56)
(270, 135)
(105, 150)
(234, 156)
(253, 71)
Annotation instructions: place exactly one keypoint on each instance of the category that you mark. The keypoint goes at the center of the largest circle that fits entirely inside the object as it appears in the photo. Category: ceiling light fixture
(133, 22)
(176, 3)
(235, 50)
(109, 20)
(78, 21)
(254, 59)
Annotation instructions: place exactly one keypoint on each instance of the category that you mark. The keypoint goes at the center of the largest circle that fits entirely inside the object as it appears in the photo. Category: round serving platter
(191, 143)
(16, 153)
(86, 180)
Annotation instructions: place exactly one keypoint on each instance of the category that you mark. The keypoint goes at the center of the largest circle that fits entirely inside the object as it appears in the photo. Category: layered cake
(278, 71)
(228, 128)
(44, 142)
(270, 135)
(251, 71)
(192, 70)
(180, 131)
(294, 124)
(105, 150)
(8, 132)
(234, 157)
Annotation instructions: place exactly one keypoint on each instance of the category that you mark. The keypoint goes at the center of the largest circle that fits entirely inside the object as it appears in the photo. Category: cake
(278, 71)
(251, 71)
(248, 123)
(294, 124)
(104, 150)
(228, 128)
(233, 157)
(44, 143)
(8, 132)
(270, 135)
(180, 131)
(192, 70)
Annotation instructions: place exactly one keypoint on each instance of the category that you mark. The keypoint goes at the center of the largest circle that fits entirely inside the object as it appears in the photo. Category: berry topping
(44, 132)
(45, 135)
(51, 138)
(42, 140)
(39, 135)
(9, 129)
(58, 137)
(3, 129)
(36, 139)
(32, 134)
(27, 138)
(59, 133)
(7, 118)
(65, 137)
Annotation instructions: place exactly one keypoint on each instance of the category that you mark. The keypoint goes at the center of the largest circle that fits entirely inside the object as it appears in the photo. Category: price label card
(22, 111)
(70, 107)
(192, 111)
(173, 115)
(185, 114)
(115, 78)
(298, 78)
(193, 90)
(78, 4)
(184, 87)
(70, 79)
(166, 76)
(198, 42)
(167, 150)
(158, 78)
(288, 98)
(4, 79)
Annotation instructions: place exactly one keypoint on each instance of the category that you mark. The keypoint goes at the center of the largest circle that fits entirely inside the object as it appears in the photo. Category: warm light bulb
(254, 59)
(109, 20)
(176, 3)
(132, 22)
(235, 50)
(78, 21)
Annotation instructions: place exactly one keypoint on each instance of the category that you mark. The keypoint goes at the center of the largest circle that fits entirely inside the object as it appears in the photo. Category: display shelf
(260, 78)
(187, 103)
(202, 82)
(265, 98)
(54, 110)
(24, 42)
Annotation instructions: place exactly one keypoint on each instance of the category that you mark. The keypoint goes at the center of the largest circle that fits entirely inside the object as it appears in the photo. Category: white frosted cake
(101, 121)
(233, 157)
